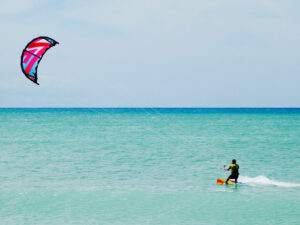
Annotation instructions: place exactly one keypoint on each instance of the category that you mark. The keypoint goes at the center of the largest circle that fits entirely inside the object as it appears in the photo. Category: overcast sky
(153, 53)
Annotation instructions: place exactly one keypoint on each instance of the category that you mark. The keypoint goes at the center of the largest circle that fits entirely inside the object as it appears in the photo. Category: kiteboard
(222, 181)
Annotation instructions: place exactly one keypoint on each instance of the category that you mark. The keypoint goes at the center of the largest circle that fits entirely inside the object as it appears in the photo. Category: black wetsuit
(234, 172)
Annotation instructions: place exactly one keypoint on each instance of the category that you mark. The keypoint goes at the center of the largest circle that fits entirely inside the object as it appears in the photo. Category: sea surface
(148, 166)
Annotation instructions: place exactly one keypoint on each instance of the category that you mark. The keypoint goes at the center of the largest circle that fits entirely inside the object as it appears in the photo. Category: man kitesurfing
(234, 171)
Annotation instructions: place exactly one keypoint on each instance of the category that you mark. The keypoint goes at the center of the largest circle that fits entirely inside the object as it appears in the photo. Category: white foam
(262, 180)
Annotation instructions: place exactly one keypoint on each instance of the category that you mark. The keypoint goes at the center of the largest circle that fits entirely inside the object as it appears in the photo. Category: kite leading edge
(33, 53)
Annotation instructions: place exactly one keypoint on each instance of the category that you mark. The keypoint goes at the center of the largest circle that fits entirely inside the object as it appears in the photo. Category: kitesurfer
(234, 171)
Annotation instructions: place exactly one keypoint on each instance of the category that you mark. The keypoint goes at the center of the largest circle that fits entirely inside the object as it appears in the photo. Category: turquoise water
(148, 166)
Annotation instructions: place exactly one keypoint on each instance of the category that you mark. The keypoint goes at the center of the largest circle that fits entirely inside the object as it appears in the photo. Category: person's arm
(229, 168)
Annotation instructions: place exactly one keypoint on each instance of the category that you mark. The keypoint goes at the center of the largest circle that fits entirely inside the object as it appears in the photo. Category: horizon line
(84, 107)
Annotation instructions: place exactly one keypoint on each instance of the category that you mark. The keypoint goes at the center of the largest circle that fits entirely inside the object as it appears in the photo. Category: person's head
(233, 161)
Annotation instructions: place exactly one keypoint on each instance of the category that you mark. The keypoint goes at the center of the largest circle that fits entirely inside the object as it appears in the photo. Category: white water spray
(262, 180)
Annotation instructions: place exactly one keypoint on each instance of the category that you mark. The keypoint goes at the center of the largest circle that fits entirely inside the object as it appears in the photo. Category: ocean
(148, 166)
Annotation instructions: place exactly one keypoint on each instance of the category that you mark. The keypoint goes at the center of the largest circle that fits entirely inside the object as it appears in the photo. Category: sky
(153, 53)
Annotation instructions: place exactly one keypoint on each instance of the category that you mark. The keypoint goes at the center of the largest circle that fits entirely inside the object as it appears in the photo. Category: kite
(32, 55)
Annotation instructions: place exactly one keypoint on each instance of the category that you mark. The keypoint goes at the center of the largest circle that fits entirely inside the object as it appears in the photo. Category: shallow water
(148, 166)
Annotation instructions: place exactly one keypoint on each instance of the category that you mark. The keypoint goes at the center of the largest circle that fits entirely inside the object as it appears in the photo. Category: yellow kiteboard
(222, 181)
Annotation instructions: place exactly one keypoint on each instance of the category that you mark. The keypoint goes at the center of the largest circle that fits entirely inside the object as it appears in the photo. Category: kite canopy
(32, 55)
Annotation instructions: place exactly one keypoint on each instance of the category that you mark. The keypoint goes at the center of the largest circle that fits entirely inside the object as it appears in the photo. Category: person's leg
(236, 178)
(226, 182)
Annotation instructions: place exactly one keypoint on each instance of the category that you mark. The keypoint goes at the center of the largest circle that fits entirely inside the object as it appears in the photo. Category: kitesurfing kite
(32, 55)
